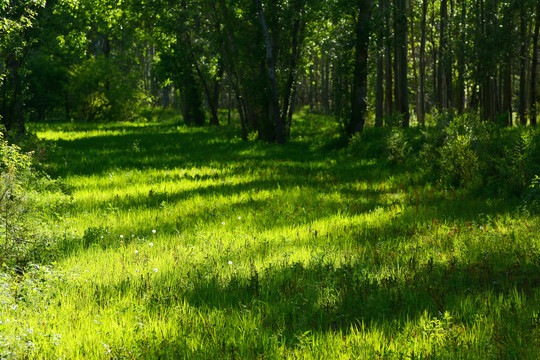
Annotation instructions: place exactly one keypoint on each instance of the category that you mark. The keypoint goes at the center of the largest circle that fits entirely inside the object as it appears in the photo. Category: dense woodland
(382, 61)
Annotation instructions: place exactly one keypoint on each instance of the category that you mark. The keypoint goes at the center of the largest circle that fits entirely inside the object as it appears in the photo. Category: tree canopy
(365, 61)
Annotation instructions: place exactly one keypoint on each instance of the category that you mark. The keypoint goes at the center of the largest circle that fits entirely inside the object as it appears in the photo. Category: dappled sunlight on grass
(189, 243)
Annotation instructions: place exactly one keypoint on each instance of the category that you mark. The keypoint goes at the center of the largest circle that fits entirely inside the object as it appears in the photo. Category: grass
(262, 251)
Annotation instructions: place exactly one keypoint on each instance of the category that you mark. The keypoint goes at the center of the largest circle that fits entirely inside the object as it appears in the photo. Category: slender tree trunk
(227, 47)
(443, 57)
(388, 98)
(402, 82)
(523, 68)
(326, 85)
(507, 93)
(295, 51)
(359, 95)
(534, 68)
(280, 133)
(460, 100)
(413, 54)
(107, 52)
(397, 58)
(422, 96)
(379, 91)
(14, 110)
(211, 98)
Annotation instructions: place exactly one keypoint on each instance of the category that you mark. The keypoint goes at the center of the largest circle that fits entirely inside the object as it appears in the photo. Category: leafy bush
(461, 151)
(458, 162)
(25, 235)
(98, 91)
(398, 146)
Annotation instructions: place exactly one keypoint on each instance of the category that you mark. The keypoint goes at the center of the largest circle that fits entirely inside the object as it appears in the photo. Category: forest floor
(191, 243)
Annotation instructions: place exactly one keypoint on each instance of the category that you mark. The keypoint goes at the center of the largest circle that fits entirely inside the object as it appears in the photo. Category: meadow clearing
(178, 242)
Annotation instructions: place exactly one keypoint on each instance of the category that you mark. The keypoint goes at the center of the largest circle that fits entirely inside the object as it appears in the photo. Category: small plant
(398, 146)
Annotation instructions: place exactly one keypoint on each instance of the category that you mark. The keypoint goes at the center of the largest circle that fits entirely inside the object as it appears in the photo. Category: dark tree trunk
(507, 93)
(227, 42)
(280, 133)
(402, 65)
(413, 53)
(359, 92)
(388, 98)
(534, 68)
(422, 95)
(295, 50)
(523, 67)
(14, 111)
(379, 91)
(460, 100)
(443, 56)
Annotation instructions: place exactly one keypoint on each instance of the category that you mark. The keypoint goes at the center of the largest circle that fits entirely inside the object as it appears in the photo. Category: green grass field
(190, 243)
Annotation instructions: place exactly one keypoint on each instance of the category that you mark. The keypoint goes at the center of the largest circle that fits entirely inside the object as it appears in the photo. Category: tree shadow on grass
(290, 299)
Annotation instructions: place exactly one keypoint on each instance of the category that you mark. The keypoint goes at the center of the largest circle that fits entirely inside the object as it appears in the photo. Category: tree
(359, 92)
(16, 40)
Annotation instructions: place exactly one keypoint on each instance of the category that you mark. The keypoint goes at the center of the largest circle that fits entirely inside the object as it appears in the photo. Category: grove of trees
(395, 60)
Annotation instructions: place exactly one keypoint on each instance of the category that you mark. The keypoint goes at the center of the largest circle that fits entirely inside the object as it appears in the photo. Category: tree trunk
(422, 95)
(280, 133)
(388, 98)
(379, 91)
(14, 121)
(227, 48)
(523, 67)
(443, 56)
(289, 89)
(507, 93)
(413, 54)
(460, 100)
(359, 95)
(534, 68)
(402, 65)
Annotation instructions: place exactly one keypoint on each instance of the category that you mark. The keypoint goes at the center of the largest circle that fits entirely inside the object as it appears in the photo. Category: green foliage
(398, 146)
(460, 151)
(458, 162)
(531, 196)
(25, 199)
(100, 91)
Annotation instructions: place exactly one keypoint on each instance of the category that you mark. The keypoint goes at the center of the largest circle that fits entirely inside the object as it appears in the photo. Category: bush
(458, 162)
(398, 146)
(25, 235)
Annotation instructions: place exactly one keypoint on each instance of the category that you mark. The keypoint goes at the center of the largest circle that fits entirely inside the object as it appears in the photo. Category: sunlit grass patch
(188, 243)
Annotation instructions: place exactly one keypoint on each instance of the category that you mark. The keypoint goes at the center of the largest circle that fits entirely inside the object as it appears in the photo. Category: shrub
(398, 146)
(25, 235)
(458, 162)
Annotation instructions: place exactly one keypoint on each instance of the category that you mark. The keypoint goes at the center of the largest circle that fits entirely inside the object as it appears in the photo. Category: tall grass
(189, 243)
